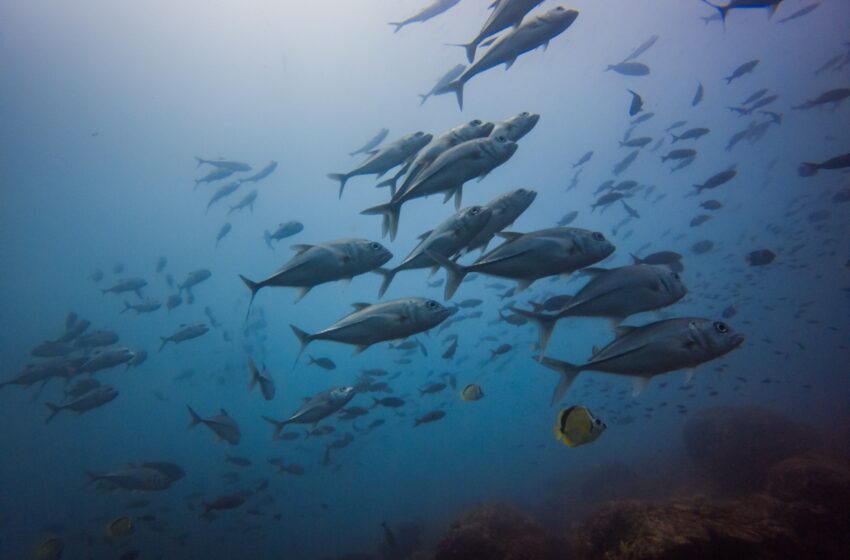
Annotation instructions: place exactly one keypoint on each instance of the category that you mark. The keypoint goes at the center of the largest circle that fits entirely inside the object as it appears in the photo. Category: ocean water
(104, 107)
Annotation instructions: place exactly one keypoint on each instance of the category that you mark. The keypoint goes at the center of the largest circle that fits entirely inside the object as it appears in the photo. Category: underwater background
(105, 106)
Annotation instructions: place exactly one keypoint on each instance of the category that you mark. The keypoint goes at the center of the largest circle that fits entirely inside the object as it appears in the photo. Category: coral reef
(736, 445)
(497, 532)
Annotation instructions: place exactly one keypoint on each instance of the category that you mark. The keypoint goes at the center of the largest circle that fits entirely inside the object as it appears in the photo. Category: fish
(711, 204)
(629, 210)
(225, 502)
(614, 294)
(506, 13)
(224, 164)
(691, 134)
(507, 48)
(447, 174)
(312, 265)
(432, 388)
(173, 301)
(629, 68)
(95, 339)
(324, 363)
(584, 159)
(223, 191)
(516, 127)
(389, 402)
(645, 46)
(625, 162)
(50, 548)
(809, 169)
(383, 159)
(284, 230)
(578, 426)
(717, 180)
(261, 174)
(246, 202)
(222, 232)
(146, 306)
(677, 124)
(471, 130)
(136, 478)
(699, 220)
(193, 279)
(698, 95)
(429, 417)
(442, 82)
(119, 527)
(681, 153)
(372, 143)
(742, 70)
(771, 5)
(567, 218)
(316, 409)
(636, 142)
(435, 8)
(606, 200)
(652, 349)
(472, 392)
(636, 106)
(128, 285)
(373, 323)
(504, 210)
(95, 398)
(185, 333)
(261, 378)
(702, 247)
(762, 257)
(451, 350)
(222, 425)
(531, 256)
(107, 359)
(834, 96)
(215, 174)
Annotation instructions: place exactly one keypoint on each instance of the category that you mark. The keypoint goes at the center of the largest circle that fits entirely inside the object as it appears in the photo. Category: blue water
(104, 106)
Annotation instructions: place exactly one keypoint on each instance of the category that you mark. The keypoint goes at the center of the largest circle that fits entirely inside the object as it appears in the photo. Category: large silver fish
(534, 33)
(372, 323)
(342, 259)
(504, 210)
(95, 398)
(385, 158)
(315, 409)
(447, 174)
(222, 425)
(653, 349)
(514, 128)
(446, 239)
(185, 333)
(526, 257)
(613, 294)
(506, 13)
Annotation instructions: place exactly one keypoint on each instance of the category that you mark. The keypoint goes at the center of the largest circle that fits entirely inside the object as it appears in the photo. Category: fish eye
(501, 139)
(598, 422)
(721, 327)
(432, 304)
(676, 276)
(475, 122)
(524, 114)
(375, 246)
(475, 211)
(598, 236)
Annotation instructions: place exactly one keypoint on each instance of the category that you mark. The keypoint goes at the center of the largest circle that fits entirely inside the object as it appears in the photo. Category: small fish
(432, 416)
(698, 95)
(578, 426)
(261, 378)
(762, 257)
(584, 159)
(222, 425)
(636, 105)
(222, 232)
(629, 69)
(472, 392)
(119, 528)
(808, 169)
(742, 70)
(324, 363)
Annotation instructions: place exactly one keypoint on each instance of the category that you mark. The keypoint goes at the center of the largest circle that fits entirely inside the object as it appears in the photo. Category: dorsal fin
(224, 412)
(424, 235)
(300, 247)
(623, 330)
(360, 305)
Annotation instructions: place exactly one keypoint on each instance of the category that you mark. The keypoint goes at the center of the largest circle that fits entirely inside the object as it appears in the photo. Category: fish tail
(545, 325)
(127, 307)
(278, 426)
(454, 273)
(200, 161)
(388, 183)
(164, 342)
(54, 410)
(303, 338)
(195, 419)
(675, 138)
(398, 25)
(375, 403)
(423, 97)
(722, 9)
(807, 169)
(268, 238)
(470, 49)
(456, 87)
(391, 212)
(254, 287)
(567, 371)
(342, 178)
(388, 275)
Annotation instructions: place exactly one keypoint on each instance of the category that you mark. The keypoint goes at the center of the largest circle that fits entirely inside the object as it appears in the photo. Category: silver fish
(315, 409)
(222, 425)
(506, 13)
(95, 398)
